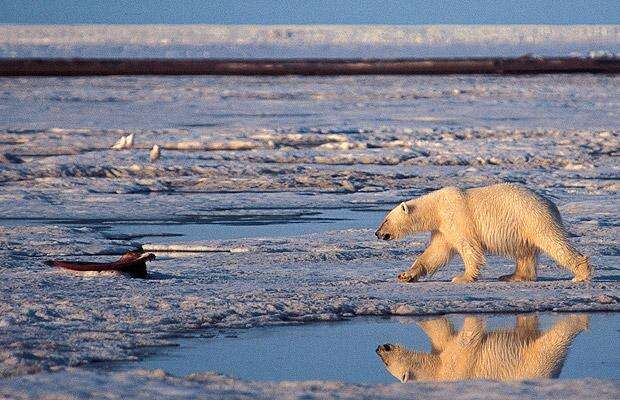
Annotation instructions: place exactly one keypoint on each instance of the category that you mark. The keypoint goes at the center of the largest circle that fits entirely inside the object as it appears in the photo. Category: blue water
(256, 223)
(263, 226)
(345, 351)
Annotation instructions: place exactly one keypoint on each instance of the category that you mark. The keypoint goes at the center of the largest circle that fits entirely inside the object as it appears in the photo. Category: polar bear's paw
(463, 279)
(583, 272)
(515, 278)
(408, 277)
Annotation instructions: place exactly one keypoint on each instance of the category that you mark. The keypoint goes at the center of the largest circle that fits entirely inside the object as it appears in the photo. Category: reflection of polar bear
(502, 219)
(473, 353)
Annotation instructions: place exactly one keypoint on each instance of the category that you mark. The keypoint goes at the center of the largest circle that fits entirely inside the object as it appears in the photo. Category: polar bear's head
(407, 365)
(399, 222)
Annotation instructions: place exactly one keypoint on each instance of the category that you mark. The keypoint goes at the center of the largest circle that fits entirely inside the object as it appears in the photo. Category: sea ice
(269, 148)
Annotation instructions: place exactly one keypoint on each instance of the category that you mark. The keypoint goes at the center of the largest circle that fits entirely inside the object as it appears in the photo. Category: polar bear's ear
(404, 207)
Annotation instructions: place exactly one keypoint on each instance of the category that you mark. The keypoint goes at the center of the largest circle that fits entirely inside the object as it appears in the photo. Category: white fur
(474, 353)
(503, 219)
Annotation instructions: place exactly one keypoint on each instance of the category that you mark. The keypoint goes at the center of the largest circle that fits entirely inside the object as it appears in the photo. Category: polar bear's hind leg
(525, 269)
(557, 247)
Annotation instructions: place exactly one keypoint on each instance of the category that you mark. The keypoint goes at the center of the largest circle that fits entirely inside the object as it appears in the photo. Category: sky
(402, 12)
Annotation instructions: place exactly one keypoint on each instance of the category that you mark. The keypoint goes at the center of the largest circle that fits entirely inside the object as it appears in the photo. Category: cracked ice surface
(259, 148)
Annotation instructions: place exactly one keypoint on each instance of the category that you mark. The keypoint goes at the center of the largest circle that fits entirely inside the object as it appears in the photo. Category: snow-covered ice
(78, 383)
(256, 41)
(262, 148)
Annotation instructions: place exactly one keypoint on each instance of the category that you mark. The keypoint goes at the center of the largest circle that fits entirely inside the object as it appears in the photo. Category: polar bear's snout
(382, 351)
(383, 232)
(381, 235)
(392, 226)
(384, 347)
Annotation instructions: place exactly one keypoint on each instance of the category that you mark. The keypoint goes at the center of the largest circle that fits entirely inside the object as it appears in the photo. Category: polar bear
(503, 219)
(473, 353)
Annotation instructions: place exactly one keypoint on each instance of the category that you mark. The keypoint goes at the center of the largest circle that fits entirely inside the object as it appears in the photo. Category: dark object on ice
(8, 158)
(133, 262)
(310, 66)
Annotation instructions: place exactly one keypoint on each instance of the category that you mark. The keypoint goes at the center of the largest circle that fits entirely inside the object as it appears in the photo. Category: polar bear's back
(510, 219)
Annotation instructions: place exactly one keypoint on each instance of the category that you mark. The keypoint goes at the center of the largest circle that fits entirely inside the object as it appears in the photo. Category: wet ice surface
(259, 223)
(345, 351)
(284, 223)
(239, 150)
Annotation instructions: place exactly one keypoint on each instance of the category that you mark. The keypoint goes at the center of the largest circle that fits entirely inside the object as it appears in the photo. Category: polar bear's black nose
(384, 347)
(384, 236)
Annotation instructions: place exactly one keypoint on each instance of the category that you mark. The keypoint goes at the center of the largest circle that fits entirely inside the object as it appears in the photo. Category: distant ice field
(283, 41)
(306, 105)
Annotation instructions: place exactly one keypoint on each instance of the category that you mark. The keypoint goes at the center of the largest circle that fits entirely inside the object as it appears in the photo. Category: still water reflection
(473, 352)
(500, 347)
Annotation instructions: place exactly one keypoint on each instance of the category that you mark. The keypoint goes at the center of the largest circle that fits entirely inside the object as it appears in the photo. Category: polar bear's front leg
(440, 331)
(459, 229)
(437, 254)
(473, 258)
(414, 273)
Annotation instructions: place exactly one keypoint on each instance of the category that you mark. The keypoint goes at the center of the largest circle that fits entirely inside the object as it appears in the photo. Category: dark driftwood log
(133, 262)
(274, 67)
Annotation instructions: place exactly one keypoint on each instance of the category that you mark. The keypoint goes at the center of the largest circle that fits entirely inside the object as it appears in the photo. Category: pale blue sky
(310, 12)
